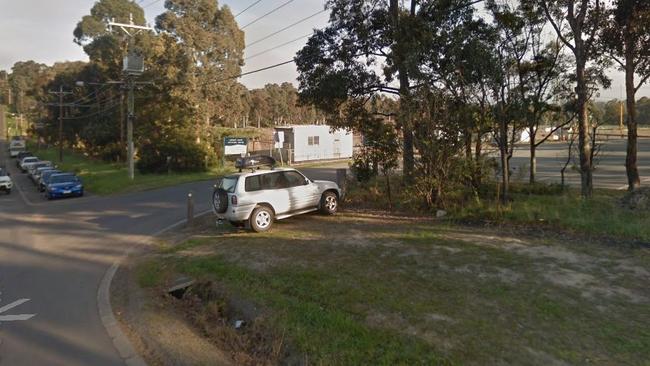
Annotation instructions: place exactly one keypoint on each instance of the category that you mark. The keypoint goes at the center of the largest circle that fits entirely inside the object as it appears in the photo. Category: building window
(313, 140)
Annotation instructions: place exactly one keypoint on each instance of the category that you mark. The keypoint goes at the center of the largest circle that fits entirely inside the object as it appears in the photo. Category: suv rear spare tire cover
(220, 200)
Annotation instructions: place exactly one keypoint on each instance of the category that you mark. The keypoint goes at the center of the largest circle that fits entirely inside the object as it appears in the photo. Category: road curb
(120, 341)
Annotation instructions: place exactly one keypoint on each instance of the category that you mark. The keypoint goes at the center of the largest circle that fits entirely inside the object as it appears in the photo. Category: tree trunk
(405, 94)
(505, 165)
(533, 154)
(633, 179)
(478, 173)
(584, 142)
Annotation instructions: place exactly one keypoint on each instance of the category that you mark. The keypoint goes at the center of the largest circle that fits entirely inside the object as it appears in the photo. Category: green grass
(351, 290)
(600, 215)
(538, 206)
(104, 178)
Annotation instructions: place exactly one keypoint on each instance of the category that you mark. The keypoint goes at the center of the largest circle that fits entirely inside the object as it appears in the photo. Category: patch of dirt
(637, 200)
(542, 358)
(485, 239)
(590, 286)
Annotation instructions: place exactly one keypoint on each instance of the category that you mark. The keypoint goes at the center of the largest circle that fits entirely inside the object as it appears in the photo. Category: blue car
(63, 185)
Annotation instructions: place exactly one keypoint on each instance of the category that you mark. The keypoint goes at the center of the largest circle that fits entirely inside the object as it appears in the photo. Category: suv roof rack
(254, 162)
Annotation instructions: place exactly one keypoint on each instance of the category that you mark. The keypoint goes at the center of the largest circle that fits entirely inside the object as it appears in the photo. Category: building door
(337, 148)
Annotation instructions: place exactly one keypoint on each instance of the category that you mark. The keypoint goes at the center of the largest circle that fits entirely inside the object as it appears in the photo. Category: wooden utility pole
(60, 94)
(122, 144)
(130, 30)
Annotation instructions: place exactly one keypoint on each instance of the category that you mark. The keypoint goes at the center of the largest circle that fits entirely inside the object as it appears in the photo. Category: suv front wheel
(329, 203)
(261, 219)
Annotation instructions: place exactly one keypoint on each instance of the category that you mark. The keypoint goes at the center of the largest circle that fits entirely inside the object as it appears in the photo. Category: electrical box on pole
(133, 64)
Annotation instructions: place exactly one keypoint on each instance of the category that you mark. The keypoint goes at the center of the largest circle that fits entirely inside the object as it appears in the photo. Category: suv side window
(253, 183)
(294, 179)
(272, 181)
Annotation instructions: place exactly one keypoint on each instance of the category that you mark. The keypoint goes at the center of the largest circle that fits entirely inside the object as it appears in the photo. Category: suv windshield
(228, 184)
(2, 172)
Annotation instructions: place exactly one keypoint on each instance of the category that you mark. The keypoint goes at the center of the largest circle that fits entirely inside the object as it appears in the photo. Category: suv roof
(260, 171)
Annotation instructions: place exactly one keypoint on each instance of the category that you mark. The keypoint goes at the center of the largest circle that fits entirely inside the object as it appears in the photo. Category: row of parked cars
(49, 180)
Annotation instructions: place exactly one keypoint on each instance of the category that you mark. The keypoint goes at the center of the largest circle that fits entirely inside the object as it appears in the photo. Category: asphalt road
(610, 163)
(53, 255)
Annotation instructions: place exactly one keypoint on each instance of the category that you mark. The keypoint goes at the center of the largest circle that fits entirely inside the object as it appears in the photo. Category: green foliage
(184, 154)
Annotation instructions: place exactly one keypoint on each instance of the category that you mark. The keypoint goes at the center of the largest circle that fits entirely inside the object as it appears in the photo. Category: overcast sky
(41, 30)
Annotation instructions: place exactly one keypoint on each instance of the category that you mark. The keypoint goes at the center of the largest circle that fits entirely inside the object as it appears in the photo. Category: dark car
(45, 176)
(63, 185)
(21, 155)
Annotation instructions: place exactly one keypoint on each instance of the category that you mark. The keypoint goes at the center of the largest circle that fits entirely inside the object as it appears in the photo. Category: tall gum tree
(577, 24)
(627, 40)
(206, 46)
(365, 49)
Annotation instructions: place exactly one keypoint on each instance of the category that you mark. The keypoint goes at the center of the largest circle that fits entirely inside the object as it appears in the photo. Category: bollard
(341, 180)
(190, 209)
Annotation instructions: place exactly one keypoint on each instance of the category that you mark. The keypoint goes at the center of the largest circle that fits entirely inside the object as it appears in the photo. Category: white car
(5, 182)
(258, 197)
(27, 162)
(16, 146)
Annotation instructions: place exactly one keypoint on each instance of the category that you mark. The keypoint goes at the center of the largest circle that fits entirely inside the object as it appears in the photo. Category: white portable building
(313, 142)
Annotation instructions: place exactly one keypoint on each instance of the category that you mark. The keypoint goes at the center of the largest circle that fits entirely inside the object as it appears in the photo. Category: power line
(285, 28)
(250, 6)
(278, 46)
(267, 14)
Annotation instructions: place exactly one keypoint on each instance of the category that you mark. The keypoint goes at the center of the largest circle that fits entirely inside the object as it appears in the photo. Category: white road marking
(10, 318)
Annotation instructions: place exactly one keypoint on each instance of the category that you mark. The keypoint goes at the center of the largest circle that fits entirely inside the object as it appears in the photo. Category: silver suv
(256, 198)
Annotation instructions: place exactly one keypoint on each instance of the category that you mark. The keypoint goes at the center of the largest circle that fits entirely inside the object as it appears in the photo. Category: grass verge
(104, 178)
(540, 206)
(358, 289)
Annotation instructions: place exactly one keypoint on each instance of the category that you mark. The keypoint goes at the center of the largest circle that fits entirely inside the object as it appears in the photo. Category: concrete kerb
(120, 341)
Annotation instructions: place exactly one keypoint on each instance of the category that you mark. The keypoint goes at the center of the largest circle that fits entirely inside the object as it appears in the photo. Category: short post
(190, 209)
(169, 165)
(341, 180)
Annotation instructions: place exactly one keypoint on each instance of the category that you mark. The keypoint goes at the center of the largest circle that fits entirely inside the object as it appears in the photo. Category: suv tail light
(233, 200)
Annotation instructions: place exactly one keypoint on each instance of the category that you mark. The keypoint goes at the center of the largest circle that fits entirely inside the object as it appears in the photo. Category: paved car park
(610, 163)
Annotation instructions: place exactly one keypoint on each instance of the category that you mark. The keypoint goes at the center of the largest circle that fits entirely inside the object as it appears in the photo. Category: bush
(184, 153)
(363, 167)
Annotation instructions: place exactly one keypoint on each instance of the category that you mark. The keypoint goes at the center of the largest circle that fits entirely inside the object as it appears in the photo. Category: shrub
(184, 154)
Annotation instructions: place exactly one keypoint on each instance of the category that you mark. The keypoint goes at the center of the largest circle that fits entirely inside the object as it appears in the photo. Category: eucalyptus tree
(107, 47)
(202, 53)
(365, 49)
(577, 24)
(626, 38)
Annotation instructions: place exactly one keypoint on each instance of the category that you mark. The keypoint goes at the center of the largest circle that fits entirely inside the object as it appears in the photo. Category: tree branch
(555, 26)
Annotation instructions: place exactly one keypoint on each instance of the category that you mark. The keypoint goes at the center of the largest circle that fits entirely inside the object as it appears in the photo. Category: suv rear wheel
(220, 200)
(261, 219)
(329, 203)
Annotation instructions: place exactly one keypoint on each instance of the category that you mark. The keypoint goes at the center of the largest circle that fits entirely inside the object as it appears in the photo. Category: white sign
(235, 146)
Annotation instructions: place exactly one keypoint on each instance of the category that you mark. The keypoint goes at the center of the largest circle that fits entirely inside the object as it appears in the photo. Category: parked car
(16, 147)
(26, 162)
(63, 185)
(21, 155)
(257, 198)
(36, 175)
(31, 170)
(42, 181)
(5, 182)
